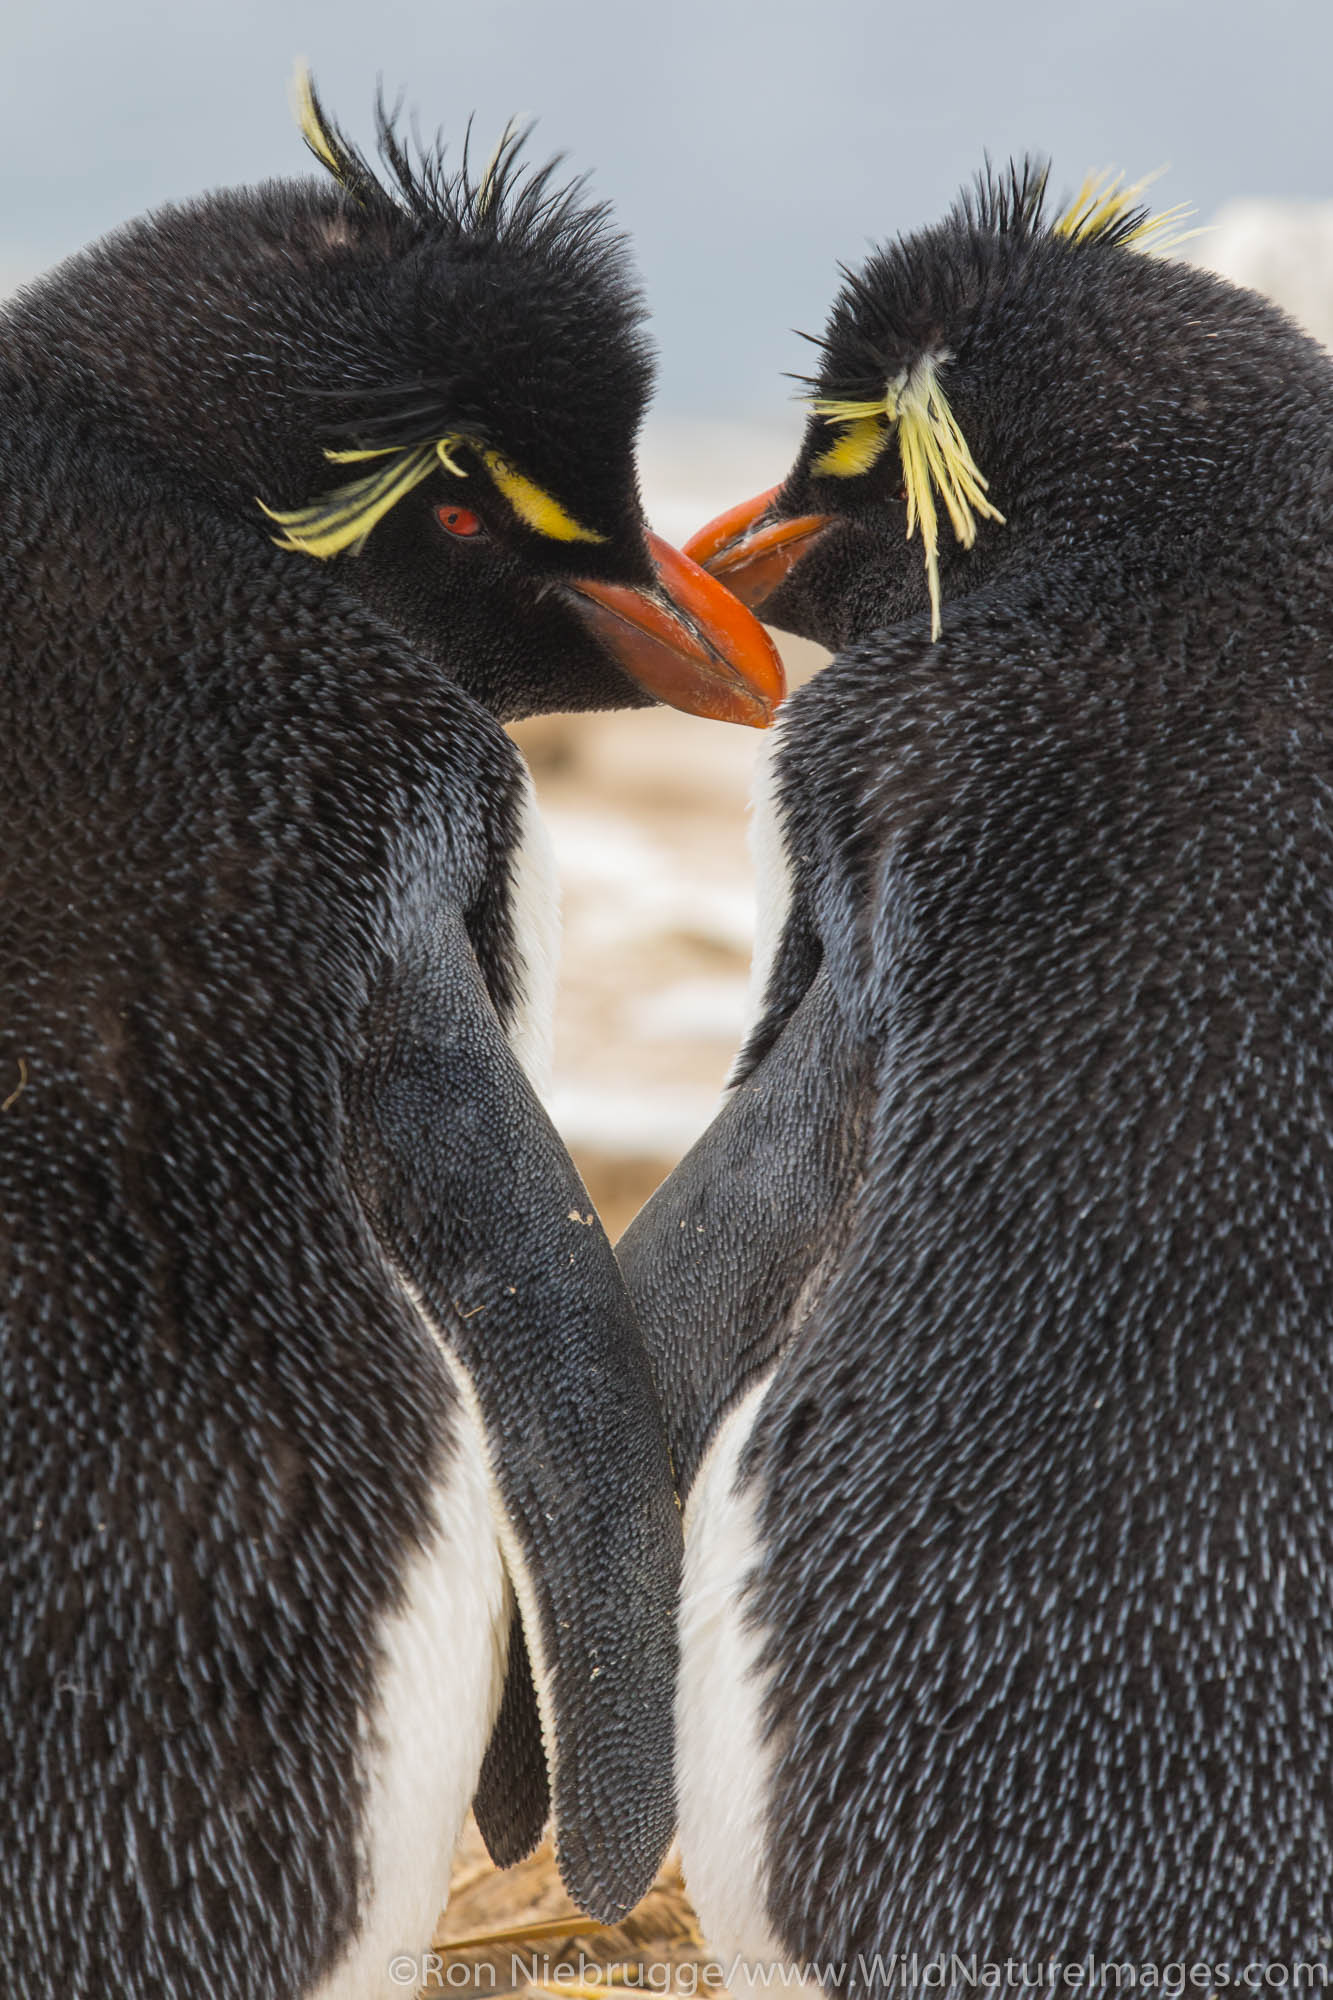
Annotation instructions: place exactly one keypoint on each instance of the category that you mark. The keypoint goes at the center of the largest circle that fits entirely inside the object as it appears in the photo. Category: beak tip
(690, 642)
(757, 708)
(752, 559)
(727, 528)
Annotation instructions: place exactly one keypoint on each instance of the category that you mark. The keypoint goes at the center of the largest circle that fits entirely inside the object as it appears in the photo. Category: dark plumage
(295, 1272)
(1020, 1203)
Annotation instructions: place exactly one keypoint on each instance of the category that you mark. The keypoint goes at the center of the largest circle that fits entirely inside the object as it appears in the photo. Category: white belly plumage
(723, 1764)
(443, 1660)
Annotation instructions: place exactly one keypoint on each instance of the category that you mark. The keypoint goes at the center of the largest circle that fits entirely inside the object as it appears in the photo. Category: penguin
(993, 1315)
(334, 1482)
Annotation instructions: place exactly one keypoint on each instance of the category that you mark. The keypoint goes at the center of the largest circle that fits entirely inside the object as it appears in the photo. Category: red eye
(459, 521)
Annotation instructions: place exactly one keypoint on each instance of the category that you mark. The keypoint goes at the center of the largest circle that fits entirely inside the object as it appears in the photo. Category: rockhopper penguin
(315, 1357)
(993, 1316)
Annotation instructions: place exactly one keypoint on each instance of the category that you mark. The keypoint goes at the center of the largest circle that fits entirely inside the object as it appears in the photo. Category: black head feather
(512, 215)
(243, 334)
(912, 292)
(509, 199)
(1097, 389)
(228, 346)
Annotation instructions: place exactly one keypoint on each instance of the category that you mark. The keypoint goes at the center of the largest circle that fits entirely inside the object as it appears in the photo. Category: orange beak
(687, 641)
(749, 558)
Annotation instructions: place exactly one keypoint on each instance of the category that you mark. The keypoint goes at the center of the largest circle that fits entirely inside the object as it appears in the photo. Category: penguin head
(996, 390)
(492, 413)
(426, 383)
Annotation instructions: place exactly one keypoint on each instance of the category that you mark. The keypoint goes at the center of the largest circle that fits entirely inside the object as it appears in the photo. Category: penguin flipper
(513, 1797)
(718, 1260)
(487, 1226)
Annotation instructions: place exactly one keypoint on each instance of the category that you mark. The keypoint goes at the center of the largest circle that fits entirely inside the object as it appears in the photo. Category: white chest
(442, 1670)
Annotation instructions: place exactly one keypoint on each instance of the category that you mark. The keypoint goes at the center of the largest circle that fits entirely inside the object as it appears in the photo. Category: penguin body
(1001, 1377)
(315, 1356)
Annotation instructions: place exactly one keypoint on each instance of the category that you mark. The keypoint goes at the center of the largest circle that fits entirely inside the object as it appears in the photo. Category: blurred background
(748, 149)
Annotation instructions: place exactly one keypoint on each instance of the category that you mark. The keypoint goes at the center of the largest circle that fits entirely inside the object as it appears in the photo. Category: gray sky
(746, 147)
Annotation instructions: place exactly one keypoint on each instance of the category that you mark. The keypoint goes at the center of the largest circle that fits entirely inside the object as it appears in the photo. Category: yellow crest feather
(342, 518)
(486, 186)
(1102, 202)
(310, 122)
(860, 446)
(534, 505)
(935, 459)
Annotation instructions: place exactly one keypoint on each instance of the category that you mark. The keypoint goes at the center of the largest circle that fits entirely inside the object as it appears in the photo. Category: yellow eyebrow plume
(342, 518)
(533, 504)
(935, 459)
(861, 444)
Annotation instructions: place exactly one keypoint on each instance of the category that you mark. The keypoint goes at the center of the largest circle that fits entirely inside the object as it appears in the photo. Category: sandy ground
(517, 1932)
(648, 814)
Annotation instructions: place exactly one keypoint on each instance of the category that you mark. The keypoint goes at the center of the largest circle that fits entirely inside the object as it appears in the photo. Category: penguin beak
(686, 640)
(751, 553)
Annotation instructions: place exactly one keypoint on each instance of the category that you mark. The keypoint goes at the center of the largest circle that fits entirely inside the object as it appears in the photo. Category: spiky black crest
(1010, 201)
(510, 201)
(515, 315)
(897, 308)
